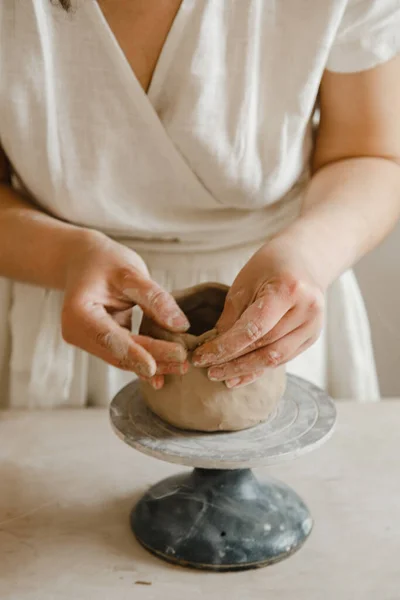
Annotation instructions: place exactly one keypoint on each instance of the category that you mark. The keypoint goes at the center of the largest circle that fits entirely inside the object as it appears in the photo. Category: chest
(225, 105)
(140, 28)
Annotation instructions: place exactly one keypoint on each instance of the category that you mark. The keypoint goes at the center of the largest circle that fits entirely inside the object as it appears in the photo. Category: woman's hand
(104, 280)
(272, 313)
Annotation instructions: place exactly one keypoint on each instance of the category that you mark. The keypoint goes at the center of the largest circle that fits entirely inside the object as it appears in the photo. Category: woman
(150, 145)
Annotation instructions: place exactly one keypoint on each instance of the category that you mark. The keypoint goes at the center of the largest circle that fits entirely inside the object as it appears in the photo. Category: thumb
(236, 303)
(156, 303)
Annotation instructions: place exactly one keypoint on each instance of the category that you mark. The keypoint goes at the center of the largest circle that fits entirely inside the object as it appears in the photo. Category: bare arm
(34, 247)
(101, 279)
(353, 200)
(275, 306)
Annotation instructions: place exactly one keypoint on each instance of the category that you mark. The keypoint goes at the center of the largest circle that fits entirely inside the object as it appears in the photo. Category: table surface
(67, 485)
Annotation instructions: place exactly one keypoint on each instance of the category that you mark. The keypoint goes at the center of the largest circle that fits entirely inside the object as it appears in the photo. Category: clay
(192, 401)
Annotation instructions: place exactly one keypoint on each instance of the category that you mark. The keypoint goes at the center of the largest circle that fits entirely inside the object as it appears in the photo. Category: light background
(379, 277)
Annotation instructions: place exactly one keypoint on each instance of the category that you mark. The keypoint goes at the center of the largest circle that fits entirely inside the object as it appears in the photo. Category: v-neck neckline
(165, 57)
(145, 103)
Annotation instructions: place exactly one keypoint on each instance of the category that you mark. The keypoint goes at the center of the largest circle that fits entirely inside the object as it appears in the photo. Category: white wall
(379, 278)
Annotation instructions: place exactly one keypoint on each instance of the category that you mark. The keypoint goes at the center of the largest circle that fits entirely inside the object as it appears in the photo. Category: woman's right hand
(103, 281)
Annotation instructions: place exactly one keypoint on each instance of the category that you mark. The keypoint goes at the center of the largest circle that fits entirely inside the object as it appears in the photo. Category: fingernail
(215, 374)
(144, 370)
(157, 383)
(178, 321)
(230, 383)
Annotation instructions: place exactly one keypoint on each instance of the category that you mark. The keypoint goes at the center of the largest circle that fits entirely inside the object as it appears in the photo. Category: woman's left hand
(273, 312)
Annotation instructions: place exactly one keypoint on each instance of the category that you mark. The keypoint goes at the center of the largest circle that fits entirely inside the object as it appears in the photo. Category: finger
(296, 342)
(293, 319)
(123, 318)
(161, 350)
(290, 345)
(157, 382)
(172, 368)
(91, 328)
(235, 303)
(290, 321)
(237, 382)
(268, 356)
(311, 312)
(255, 322)
(156, 302)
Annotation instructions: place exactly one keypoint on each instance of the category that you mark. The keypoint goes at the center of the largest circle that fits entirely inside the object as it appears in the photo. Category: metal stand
(220, 517)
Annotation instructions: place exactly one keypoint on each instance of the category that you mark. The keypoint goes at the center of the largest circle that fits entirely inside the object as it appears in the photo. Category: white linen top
(194, 175)
(217, 153)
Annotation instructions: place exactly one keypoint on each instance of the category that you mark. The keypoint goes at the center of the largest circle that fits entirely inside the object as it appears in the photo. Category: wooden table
(67, 485)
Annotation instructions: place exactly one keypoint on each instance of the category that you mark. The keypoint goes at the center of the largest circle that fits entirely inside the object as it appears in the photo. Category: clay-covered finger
(123, 318)
(271, 355)
(293, 344)
(293, 320)
(255, 322)
(285, 325)
(236, 301)
(156, 303)
(157, 382)
(161, 350)
(91, 328)
(299, 315)
(172, 368)
(238, 382)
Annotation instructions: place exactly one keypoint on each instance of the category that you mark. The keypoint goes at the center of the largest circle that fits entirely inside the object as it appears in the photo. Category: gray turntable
(219, 516)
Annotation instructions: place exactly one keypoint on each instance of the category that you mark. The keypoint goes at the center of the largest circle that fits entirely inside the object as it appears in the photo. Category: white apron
(194, 176)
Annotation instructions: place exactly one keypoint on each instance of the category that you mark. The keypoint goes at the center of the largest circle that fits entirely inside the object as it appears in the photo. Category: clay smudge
(160, 301)
(252, 330)
(203, 360)
(119, 348)
(178, 354)
(261, 303)
(236, 298)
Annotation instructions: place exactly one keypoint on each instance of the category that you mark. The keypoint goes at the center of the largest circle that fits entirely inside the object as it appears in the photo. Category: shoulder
(368, 34)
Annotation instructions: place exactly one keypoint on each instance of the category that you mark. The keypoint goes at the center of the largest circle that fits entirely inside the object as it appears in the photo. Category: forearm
(34, 247)
(348, 209)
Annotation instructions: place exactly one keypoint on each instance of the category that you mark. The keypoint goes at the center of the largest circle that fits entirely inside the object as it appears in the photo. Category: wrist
(76, 242)
(301, 246)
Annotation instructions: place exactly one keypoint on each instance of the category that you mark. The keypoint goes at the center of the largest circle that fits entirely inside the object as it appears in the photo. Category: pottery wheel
(219, 516)
(303, 419)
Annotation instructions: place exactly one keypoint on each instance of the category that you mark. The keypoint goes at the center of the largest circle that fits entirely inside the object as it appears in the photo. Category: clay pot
(192, 401)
